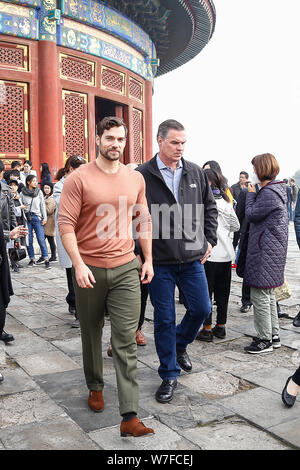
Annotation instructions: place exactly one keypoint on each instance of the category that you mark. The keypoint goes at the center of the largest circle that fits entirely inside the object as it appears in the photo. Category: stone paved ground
(231, 400)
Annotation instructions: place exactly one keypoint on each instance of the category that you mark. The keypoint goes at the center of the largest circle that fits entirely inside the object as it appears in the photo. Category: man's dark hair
(15, 163)
(2, 166)
(28, 163)
(244, 173)
(6, 175)
(108, 122)
(15, 173)
(164, 127)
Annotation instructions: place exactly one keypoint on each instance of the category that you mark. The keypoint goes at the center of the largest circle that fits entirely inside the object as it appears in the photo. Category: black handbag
(17, 254)
(28, 214)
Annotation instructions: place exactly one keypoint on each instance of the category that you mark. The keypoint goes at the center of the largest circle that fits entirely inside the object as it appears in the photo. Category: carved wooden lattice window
(77, 69)
(138, 135)
(14, 119)
(13, 56)
(113, 80)
(136, 90)
(75, 124)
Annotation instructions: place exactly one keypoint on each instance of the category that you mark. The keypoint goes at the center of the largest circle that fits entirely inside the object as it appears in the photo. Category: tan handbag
(283, 292)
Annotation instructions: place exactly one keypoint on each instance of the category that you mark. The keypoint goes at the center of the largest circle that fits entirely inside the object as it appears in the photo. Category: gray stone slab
(69, 346)
(56, 434)
(61, 385)
(261, 407)
(236, 363)
(288, 431)
(213, 384)
(59, 332)
(88, 420)
(27, 407)
(39, 320)
(28, 345)
(232, 434)
(16, 328)
(273, 379)
(186, 410)
(163, 439)
(69, 391)
(16, 381)
(47, 362)
(2, 357)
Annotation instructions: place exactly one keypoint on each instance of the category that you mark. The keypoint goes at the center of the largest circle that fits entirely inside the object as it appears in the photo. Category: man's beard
(105, 154)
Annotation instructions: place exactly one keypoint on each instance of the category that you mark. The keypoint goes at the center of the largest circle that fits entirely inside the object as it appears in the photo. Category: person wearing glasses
(98, 205)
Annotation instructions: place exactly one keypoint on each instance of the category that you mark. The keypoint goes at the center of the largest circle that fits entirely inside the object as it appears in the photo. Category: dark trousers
(236, 237)
(296, 377)
(2, 319)
(70, 299)
(52, 245)
(218, 279)
(144, 297)
(246, 295)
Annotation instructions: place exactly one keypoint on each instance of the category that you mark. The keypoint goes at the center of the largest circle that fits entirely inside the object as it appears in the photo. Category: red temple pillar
(50, 107)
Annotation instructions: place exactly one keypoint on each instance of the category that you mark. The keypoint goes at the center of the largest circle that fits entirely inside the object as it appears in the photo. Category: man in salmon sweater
(98, 204)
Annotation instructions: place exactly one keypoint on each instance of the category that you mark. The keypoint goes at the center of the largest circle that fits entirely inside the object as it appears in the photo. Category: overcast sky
(240, 96)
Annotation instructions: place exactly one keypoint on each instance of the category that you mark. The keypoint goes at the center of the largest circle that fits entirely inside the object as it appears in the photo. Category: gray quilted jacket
(268, 237)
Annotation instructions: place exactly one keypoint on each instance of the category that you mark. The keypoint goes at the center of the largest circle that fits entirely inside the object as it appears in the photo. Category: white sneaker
(276, 342)
(1, 378)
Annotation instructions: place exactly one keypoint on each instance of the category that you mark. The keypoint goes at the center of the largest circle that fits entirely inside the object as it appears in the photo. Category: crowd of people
(123, 232)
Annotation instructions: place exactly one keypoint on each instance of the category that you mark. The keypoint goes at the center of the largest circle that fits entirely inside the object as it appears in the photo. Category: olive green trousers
(118, 291)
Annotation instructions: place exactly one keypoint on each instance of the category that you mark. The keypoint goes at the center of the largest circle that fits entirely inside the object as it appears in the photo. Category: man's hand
(44, 222)
(207, 254)
(18, 232)
(147, 272)
(84, 276)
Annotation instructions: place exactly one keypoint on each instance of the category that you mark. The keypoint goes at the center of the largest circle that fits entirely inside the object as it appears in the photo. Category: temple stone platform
(231, 400)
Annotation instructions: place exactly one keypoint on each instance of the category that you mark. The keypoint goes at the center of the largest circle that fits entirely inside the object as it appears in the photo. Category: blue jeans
(191, 280)
(36, 225)
(290, 211)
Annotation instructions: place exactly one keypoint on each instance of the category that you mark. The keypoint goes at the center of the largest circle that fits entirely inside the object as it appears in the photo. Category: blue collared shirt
(171, 178)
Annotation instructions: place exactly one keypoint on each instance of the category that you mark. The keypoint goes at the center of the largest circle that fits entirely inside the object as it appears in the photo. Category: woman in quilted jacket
(266, 211)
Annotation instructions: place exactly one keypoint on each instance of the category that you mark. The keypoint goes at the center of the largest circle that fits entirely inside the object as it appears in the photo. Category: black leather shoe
(165, 392)
(245, 308)
(6, 337)
(288, 399)
(296, 321)
(184, 361)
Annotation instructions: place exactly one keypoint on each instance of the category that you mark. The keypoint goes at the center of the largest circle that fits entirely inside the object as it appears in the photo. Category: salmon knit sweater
(99, 208)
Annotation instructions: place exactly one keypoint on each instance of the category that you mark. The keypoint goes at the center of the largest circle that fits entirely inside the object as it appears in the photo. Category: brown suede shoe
(95, 401)
(140, 338)
(134, 427)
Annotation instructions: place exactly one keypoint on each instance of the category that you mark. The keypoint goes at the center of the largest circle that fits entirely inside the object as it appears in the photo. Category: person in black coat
(6, 290)
(46, 177)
